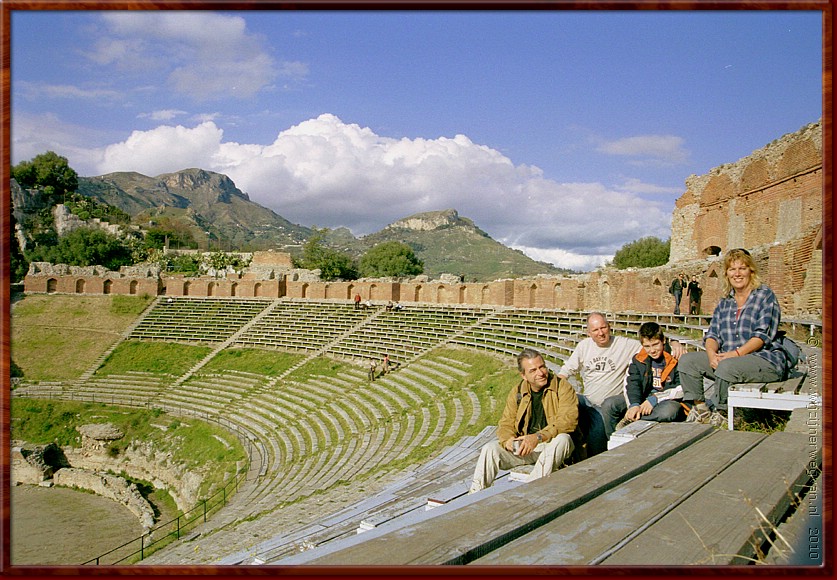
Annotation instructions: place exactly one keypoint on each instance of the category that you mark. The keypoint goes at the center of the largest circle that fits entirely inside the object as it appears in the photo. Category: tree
(390, 259)
(332, 264)
(643, 253)
(85, 247)
(48, 171)
(19, 265)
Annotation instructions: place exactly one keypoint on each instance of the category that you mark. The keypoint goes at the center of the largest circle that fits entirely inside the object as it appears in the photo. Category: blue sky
(563, 134)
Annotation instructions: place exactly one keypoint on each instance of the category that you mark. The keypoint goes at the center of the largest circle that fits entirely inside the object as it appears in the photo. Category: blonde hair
(741, 255)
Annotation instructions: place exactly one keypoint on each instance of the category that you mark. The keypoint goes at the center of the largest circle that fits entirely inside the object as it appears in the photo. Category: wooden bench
(702, 496)
(481, 522)
(801, 389)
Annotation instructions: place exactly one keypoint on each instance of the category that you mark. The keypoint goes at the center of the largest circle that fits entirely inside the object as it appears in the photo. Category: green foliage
(85, 247)
(169, 233)
(333, 265)
(390, 259)
(643, 253)
(88, 208)
(15, 371)
(18, 263)
(221, 260)
(48, 171)
(184, 264)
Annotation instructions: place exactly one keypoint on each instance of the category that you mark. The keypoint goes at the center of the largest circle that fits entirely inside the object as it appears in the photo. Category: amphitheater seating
(132, 388)
(310, 435)
(553, 333)
(309, 423)
(406, 334)
(302, 325)
(198, 319)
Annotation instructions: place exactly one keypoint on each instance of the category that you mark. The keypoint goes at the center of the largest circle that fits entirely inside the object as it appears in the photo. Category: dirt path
(52, 526)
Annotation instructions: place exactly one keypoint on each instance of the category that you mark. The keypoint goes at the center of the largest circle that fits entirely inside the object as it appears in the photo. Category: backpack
(791, 351)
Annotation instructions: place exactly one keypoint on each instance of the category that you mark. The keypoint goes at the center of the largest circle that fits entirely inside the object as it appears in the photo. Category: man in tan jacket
(540, 415)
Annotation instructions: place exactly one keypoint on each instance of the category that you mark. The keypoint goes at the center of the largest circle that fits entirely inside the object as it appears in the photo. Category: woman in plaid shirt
(741, 342)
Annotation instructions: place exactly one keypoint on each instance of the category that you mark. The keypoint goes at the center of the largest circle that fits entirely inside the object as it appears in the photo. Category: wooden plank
(487, 523)
(587, 534)
(800, 539)
(720, 523)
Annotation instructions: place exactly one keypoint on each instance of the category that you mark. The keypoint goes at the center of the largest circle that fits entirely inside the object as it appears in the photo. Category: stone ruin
(47, 465)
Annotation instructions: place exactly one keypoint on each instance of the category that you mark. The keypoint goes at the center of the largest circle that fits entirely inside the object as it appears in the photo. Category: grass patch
(249, 360)
(57, 354)
(129, 305)
(154, 357)
(58, 337)
(318, 368)
(760, 420)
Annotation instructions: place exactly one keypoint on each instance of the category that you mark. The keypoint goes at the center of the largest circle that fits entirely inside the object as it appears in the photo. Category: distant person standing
(357, 301)
(372, 369)
(694, 292)
(676, 289)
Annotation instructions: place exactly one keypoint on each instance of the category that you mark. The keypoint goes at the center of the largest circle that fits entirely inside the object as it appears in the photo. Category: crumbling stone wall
(109, 486)
(773, 195)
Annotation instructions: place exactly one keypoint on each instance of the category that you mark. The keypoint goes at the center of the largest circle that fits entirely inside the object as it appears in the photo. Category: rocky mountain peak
(217, 185)
(428, 221)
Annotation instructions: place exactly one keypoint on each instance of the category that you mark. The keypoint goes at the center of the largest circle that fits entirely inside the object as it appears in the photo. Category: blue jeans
(592, 425)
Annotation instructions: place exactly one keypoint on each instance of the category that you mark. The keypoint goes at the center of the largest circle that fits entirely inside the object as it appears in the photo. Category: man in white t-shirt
(603, 360)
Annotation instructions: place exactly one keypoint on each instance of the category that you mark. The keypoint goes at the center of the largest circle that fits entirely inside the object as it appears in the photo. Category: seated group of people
(545, 423)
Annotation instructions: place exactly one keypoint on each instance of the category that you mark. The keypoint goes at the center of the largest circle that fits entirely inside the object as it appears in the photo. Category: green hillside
(448, 243)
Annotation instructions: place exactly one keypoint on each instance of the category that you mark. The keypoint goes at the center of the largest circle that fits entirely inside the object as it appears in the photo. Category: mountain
(203, 201)
(449, 243)
(207, 201)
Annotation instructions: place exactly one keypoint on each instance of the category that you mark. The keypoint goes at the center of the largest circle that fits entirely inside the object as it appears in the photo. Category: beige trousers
(547, 457)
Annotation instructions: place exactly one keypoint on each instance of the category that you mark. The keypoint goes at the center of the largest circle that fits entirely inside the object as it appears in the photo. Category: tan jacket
(560, 405)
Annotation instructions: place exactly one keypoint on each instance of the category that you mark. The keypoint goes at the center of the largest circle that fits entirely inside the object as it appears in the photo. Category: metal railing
(162, 535)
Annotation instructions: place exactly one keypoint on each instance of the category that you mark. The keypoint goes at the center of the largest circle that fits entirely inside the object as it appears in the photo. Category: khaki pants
(547, 457)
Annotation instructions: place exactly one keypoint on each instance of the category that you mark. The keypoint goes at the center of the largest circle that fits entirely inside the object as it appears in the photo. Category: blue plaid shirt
(759, 318)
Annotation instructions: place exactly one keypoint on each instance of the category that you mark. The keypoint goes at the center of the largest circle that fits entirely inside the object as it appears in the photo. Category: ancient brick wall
(773, 195)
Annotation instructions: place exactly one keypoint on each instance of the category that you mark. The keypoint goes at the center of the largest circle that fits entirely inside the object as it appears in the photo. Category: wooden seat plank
(582, 536)
(720, 523)
(474, 529)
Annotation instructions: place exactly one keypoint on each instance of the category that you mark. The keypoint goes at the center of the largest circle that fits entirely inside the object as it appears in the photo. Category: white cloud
(159, 150)
(162, 115)
(203, 55)
(34, 91)
(328, 173)
(648, 148)
(633, 185)
(565, 259)
(36, 134)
